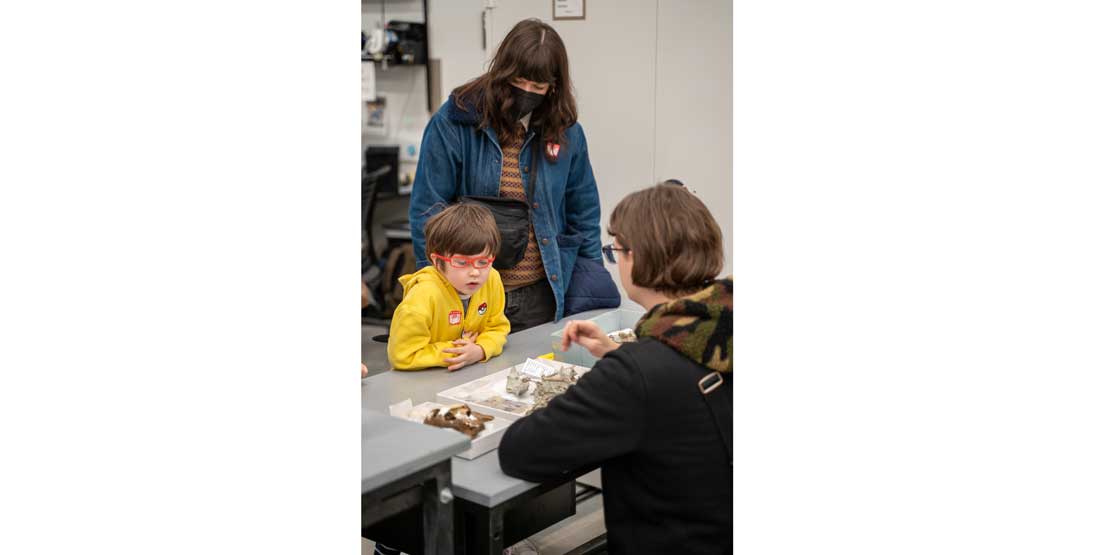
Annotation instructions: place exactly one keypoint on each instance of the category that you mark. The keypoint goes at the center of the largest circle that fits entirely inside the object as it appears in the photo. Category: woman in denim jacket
(485, 140)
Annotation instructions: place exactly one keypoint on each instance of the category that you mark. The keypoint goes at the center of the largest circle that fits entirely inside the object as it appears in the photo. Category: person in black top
(656, 414)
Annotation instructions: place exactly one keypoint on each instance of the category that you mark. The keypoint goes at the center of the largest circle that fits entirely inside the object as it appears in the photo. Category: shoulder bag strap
(708, 384)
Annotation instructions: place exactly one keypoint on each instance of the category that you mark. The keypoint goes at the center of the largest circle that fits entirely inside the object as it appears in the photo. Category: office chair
(370, 196)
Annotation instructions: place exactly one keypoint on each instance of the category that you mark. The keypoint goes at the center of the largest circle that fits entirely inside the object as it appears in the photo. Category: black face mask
(524, 102)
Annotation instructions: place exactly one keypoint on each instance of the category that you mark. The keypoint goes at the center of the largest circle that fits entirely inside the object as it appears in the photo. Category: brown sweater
(529, 270)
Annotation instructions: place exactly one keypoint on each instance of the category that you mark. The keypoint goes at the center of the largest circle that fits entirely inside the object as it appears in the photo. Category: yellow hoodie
(430, 317)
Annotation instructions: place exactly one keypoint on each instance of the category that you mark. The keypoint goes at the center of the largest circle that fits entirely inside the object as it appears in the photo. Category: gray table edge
(425, 447)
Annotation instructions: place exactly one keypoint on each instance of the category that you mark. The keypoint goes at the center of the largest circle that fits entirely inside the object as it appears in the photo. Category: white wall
(454, 38)
(694, 115)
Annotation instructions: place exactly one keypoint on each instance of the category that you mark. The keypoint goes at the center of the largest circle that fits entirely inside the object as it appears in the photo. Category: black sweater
(639, 414)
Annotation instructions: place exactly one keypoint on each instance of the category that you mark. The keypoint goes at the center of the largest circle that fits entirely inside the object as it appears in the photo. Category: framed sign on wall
(568, 9)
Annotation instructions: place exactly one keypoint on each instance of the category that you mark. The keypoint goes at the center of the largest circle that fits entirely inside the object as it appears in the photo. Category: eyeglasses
(459, 261)
(609, 252)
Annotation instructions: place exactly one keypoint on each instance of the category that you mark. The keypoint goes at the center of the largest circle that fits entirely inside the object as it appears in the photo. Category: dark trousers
(530, 305)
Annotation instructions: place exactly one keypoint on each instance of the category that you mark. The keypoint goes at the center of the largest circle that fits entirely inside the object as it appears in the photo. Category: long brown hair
(532, 50)
(675, 241)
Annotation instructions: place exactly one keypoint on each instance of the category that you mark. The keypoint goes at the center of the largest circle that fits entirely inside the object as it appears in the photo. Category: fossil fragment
(623, 336)
(516, 383)
(552, 386)
(459, 417)
(568, 373)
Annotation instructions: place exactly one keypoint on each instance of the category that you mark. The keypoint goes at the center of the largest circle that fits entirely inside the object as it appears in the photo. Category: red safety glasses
(459, 261)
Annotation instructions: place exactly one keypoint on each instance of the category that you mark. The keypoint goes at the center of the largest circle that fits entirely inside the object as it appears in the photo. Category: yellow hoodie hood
(431, 316)
(427, 274)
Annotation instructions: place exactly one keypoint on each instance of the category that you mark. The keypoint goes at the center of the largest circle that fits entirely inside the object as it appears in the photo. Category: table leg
(438, 514)
(496, 531)
(480, 531)
(389, 516)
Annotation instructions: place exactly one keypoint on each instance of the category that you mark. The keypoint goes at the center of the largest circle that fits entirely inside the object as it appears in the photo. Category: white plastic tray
(483, 390)
(486, 441)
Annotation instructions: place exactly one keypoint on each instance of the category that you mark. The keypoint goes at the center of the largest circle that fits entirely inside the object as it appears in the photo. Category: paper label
(538, 368)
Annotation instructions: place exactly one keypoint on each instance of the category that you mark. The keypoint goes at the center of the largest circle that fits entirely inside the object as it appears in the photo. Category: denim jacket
(458, 159)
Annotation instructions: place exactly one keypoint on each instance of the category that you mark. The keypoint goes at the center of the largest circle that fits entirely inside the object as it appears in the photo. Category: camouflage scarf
(698, 326)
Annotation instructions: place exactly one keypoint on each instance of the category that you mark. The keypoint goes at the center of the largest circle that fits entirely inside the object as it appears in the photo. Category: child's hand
(467, 353)
(470, 335)
(364, 370)
(589, 336)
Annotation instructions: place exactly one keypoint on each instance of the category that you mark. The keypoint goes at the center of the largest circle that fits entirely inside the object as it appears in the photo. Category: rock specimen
(517, 382)
(552, 386)
(623, 336)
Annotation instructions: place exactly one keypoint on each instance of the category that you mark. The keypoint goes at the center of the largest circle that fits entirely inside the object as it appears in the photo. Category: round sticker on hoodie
(481, 308)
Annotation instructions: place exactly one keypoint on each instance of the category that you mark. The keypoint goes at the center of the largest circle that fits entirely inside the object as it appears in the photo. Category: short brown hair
(466, 229)
(674, 239)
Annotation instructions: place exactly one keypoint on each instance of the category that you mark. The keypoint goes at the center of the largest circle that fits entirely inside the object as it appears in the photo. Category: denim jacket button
(524, 169)
(545, 241)
(535, 205)
(554, 277)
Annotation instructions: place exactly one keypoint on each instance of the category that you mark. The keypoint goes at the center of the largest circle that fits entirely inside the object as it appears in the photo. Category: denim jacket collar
(471, 116)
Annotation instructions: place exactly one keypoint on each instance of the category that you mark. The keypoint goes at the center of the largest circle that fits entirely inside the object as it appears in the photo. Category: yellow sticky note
(547, 356)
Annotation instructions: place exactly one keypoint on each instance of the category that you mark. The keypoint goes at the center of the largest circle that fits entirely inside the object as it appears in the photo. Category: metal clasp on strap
(709, 383)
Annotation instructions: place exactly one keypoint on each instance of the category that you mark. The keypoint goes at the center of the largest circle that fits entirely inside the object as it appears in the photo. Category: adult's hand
(588, 335)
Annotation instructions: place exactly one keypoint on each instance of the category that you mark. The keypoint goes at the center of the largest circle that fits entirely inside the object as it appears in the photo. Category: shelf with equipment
(398, 42)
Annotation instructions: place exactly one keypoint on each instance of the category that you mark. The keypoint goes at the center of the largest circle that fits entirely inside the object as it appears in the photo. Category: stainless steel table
(407, 465)
(493, 510)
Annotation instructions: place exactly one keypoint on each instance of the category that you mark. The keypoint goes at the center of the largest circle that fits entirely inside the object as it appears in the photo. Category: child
(452, 312)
